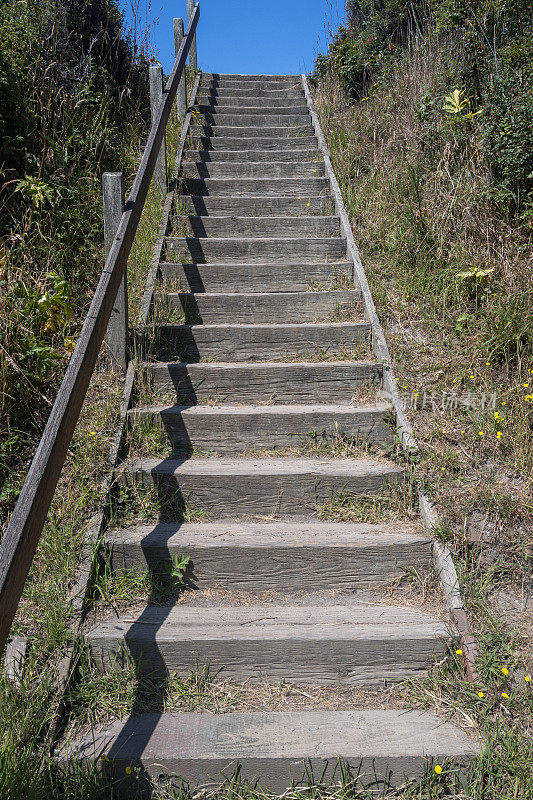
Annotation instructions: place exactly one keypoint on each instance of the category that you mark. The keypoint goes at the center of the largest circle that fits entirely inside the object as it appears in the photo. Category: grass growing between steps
(449, 268)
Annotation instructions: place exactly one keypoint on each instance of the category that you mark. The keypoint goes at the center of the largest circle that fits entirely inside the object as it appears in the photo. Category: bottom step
(275, 747)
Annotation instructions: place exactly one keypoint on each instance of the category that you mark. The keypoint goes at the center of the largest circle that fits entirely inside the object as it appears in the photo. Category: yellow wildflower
(499, 434)
(481, 433)
(527, 678)
(505, 671)
(480, 694)
(505, 695)
(128, 770)
(459, 652)
(438, 769)
(528, 398)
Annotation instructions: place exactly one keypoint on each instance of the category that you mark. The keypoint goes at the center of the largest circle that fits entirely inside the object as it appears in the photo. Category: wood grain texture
(264, 382)
(235, 143)
(254, 155)
(232, 429)
(255, 187)
(272, 111)
(322, 645)
(251, 169)
(280, 556)
(254, 249)
(277, 746)
(229, 99)
(244, 226)
(256, 277)
(264, 307)
(240, 342)
(226, 487)
(292, 132)
(250, 206)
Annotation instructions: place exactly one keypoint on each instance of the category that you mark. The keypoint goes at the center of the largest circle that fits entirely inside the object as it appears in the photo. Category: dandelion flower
(525, 385)
(504, 402)
(471, 376)
(505, 671)
(481, 433)
(443, 469)
(505, 696)
(527, 678)
(459, 651)
(499, 434)
(480, 694)
(438, 769)
(528, 398)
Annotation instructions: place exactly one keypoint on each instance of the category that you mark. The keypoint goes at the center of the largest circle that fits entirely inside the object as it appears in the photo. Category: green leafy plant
(178, 567)
(457, 104)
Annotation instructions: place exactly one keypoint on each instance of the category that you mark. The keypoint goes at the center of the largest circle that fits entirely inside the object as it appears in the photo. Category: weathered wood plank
(233, 429)
(241, 342)
(321, 645)
(227, 487)
(261, 277)
(279, 556)
(264, 382)
(262, 307)
(254, 250)
(279, 747)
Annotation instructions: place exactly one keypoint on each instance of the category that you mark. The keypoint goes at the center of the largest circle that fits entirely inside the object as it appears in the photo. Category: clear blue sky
(246, 36)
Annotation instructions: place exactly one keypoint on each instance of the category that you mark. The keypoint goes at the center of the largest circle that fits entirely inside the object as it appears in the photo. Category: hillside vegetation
(73, 98)
(427, 109)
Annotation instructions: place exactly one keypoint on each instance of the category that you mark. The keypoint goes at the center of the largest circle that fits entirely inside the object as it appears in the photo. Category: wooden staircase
(267, 354)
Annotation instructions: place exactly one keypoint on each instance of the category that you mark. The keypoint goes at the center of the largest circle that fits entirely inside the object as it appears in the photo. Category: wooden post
(156, 94)
(117, 329)
(192, 51)
(181, 98)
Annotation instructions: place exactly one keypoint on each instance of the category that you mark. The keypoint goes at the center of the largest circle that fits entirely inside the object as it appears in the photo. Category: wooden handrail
(23, 532)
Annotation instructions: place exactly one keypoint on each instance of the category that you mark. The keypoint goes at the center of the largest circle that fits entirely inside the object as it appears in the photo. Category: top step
(223, 77)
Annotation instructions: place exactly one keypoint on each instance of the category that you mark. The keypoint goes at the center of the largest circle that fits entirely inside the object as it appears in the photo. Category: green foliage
(72, 94)
(481, 98)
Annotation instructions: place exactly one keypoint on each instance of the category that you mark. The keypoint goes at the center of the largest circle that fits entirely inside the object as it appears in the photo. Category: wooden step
(230, 99)
(287, 277)
(264, 382)
(277, 143)
(233, 429)
(256, 187)
(254, 249)
(256, 227)
(252, 155)
(363, 644)
(225, 487)
(258, 94)
(278, 748)
(241, 342)
(275, 556)
(290, 131)
(252, 206)
(250, 169)
(270, 111)
(240, 118)
(264, 307)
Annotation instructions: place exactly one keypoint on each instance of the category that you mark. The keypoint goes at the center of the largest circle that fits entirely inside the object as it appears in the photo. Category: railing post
(117, 329)
(156, 94)
(192, 51)
(181, 97)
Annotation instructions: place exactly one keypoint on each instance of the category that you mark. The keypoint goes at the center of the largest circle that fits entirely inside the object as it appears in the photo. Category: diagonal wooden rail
(19, 544)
